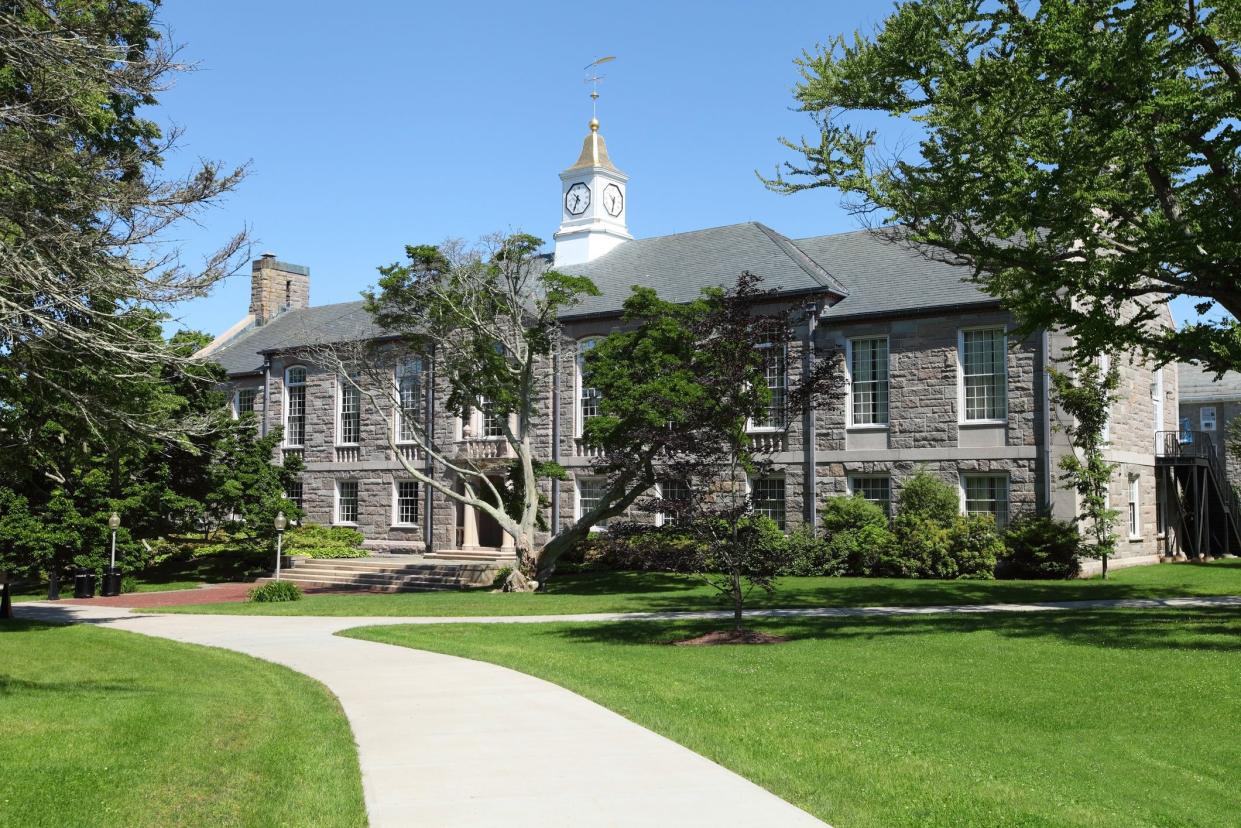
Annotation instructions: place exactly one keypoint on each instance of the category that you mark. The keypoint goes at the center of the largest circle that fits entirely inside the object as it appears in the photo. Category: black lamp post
(112, 577)
(281, 523)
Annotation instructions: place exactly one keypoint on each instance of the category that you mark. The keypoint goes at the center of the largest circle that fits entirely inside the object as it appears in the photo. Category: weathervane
(593, 78)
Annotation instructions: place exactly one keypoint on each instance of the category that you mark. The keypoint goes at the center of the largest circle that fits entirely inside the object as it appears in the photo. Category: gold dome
(594, 151)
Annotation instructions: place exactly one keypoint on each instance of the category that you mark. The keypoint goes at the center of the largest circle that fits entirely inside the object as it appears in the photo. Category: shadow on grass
(663, 592)
(1212, 630)
(10, 686)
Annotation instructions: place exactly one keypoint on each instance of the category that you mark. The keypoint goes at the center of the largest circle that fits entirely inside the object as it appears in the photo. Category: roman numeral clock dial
(577, 199)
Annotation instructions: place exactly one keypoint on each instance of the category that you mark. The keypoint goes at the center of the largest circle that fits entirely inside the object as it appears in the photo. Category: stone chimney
(277, 286)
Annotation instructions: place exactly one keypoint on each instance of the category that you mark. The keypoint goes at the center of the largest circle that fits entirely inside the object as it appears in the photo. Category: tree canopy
(1081, 158)
(85, 255)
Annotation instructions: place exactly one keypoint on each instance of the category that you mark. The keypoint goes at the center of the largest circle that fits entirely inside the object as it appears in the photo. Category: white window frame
(578, 511)
(396, 502)
(853, 489)
(300, 500)
(287, 399)
(1105, 366)
(399, 374)
(1157, 403)
(962, 418)
(237, 400)
(343, 386)
(579, 417)
(849, 422)
(1134, 516)
(750, 484)
(357, 503)
(1008, 493)
(660, 517)
(1203, 419)
(768, 429)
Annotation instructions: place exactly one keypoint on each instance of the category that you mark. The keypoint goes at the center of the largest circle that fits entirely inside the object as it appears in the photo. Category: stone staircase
(394, 573)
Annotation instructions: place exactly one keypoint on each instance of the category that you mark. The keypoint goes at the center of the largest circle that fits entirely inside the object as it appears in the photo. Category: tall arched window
(295, 406)
(409, 398)
(587, 398)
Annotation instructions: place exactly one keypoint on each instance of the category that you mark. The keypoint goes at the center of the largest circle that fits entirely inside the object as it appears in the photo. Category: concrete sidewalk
(446, 742)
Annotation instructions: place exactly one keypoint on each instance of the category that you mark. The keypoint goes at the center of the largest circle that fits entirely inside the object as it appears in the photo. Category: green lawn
(108, 728)
(1099, 718)
(642, 592)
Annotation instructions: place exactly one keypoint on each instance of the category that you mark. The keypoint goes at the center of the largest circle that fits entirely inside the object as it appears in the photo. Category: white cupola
(593, 204)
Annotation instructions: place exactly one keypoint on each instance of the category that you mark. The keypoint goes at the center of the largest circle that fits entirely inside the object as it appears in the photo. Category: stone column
(506, 544)
(469, 525)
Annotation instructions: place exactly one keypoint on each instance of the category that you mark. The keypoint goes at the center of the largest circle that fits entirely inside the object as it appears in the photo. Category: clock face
(577, 199)
(613, 200)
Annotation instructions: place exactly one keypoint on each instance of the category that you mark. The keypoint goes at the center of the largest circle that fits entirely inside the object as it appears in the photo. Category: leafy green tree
(1086, 394)
(1080, 158)
(485, 322)
(84, 212)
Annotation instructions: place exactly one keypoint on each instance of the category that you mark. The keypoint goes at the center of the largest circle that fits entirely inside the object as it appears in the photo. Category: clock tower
(592, 206)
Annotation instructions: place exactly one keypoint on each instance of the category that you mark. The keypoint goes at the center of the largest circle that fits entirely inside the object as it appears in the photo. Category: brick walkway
(216, 593)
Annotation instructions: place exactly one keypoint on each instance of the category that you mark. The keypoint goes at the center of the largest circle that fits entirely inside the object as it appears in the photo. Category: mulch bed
(212, 594)
(730, 637)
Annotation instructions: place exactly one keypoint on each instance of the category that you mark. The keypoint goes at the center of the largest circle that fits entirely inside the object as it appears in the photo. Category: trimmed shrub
(129, 584)
(274, 592)
(662, 549)
(311, 535)
(928, 496)
(1039, 546)
(809, 554)
(973, 548)
(919, 541)
(856, 533)
(332, 552)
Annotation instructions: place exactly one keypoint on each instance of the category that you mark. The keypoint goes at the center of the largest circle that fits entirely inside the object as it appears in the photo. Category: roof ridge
(802, 259)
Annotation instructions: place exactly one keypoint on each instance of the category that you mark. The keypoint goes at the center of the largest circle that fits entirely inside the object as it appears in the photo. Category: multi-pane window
(347, 501)
(868, 370)
(1135, 515)
(406, 502)
(295, 406)
(987, 494)
(1206, 417)
(295, 493)
(767, 495)
(590, 492)
(350, 412)
(493, 420)
(877, 490)
(245, 400)
(676, 492)
(984, 374)
(409, 393)
(588, 398)
(776, 377)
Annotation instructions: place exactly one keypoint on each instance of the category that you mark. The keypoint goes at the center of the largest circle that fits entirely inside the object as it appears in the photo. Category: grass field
(1100, 718)
(644, 592)
(108, 728)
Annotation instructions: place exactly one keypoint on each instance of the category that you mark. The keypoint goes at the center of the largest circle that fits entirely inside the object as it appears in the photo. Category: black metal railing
(1193, 444)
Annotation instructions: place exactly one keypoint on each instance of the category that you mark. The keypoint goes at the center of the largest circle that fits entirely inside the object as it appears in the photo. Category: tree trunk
(1105, 567)
(737, 602)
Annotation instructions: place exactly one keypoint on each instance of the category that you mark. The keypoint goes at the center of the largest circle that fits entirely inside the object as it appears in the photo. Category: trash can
(84, 584)
(111, 582)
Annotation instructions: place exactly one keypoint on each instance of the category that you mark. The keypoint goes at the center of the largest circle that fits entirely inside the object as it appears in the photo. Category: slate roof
(870, 275)
(885, 278)
(321, 325)
(1198, 384)
(679, 266)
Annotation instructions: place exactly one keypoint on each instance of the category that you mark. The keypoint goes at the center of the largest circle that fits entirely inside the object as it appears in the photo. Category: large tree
(85, 212)
(482, 325)
(1081, 158)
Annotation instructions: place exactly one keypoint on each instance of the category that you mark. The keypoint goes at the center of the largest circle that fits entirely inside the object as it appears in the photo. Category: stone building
(938, 379)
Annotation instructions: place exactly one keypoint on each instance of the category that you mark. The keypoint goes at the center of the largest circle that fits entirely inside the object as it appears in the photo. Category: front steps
(393, 573)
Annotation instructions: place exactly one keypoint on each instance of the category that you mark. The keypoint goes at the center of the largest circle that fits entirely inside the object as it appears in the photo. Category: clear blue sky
(390, 123)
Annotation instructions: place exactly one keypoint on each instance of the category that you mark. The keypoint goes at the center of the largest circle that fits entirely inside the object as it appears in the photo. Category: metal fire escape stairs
(1200, 504)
